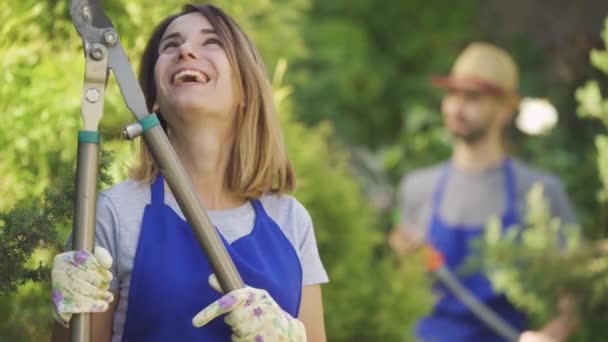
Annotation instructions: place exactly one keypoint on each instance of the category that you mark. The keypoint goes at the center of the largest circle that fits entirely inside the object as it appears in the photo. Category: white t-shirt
(120, 212)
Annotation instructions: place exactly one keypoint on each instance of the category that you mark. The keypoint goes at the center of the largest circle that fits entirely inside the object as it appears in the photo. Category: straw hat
(482, 66)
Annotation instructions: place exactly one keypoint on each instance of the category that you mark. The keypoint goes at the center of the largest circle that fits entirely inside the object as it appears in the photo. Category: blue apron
(169, 283)
(450, 319)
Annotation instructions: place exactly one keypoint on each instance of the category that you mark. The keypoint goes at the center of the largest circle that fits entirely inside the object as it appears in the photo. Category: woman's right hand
(80, 283)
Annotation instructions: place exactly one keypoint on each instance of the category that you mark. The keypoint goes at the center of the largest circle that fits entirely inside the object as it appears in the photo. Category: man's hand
(403, 243)
(558, 329)
(535, 336)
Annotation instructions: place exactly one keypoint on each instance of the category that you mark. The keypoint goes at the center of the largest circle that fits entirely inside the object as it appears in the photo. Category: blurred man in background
(448, 205)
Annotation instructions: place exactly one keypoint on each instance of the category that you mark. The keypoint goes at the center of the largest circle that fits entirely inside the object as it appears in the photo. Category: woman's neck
(204, 151)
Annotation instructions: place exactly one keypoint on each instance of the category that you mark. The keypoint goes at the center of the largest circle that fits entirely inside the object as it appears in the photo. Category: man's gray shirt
(471, 198)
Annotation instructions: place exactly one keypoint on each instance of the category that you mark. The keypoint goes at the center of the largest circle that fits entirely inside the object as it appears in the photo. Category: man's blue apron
(169, 283)
(450, 319)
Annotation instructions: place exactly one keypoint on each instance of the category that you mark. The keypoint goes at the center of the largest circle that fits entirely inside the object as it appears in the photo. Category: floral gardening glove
(253, 316)
(80, 283)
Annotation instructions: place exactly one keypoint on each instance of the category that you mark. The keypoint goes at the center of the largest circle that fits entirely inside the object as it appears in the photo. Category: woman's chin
(192, 110)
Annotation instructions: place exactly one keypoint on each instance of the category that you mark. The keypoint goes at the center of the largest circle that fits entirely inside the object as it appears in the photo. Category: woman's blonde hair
(258, 162)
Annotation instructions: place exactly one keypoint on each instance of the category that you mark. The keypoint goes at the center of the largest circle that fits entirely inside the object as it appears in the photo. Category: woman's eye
(169, 45)
(212, 41)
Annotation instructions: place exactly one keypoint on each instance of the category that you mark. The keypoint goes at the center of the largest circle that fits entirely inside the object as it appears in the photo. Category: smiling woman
(148, 278)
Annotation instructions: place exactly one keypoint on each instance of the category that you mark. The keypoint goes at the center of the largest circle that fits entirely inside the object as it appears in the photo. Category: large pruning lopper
(437, 266)
(104, 52)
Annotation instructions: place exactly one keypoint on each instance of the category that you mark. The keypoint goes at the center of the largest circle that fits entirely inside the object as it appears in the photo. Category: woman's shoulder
(128, 185)
(296, 223)
(125, 195)
(286, 211)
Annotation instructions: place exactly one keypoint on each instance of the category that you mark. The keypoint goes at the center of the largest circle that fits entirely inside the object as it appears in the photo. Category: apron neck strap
(258, 208)
(439, 190)
(158, 190)
(510, 186)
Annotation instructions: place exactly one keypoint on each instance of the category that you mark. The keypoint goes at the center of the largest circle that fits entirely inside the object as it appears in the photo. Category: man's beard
(473, 135)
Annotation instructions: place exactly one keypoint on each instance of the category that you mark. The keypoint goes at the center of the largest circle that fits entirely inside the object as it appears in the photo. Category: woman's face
(193, 74)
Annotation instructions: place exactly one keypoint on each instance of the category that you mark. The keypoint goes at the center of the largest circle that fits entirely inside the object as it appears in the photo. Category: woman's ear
(156, 110)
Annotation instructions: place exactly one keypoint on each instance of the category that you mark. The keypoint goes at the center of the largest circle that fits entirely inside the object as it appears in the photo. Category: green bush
(369, 297)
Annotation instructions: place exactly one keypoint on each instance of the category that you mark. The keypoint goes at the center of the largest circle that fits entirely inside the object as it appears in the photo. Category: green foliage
(422, 142)
(368, 297)
(367, 63)
(366, 290)
(32, 101)
(33, 225)
(25, 314)
(32, 233)
(537, 263)
(527, 262)
(533, 287)
(599, 59)
(23, 230)
(593, 105)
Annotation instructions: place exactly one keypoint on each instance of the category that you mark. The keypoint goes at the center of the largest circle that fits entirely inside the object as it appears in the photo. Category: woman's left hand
(253, 316)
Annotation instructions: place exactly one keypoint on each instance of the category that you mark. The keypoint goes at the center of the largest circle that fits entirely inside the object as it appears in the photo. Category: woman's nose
(185, 52)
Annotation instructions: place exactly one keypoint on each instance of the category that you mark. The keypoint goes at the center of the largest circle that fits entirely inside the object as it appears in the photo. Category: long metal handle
(83, 227)
(84, 222)
(435, 262)
(178, 180)
(181, 186)
(482, 311)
